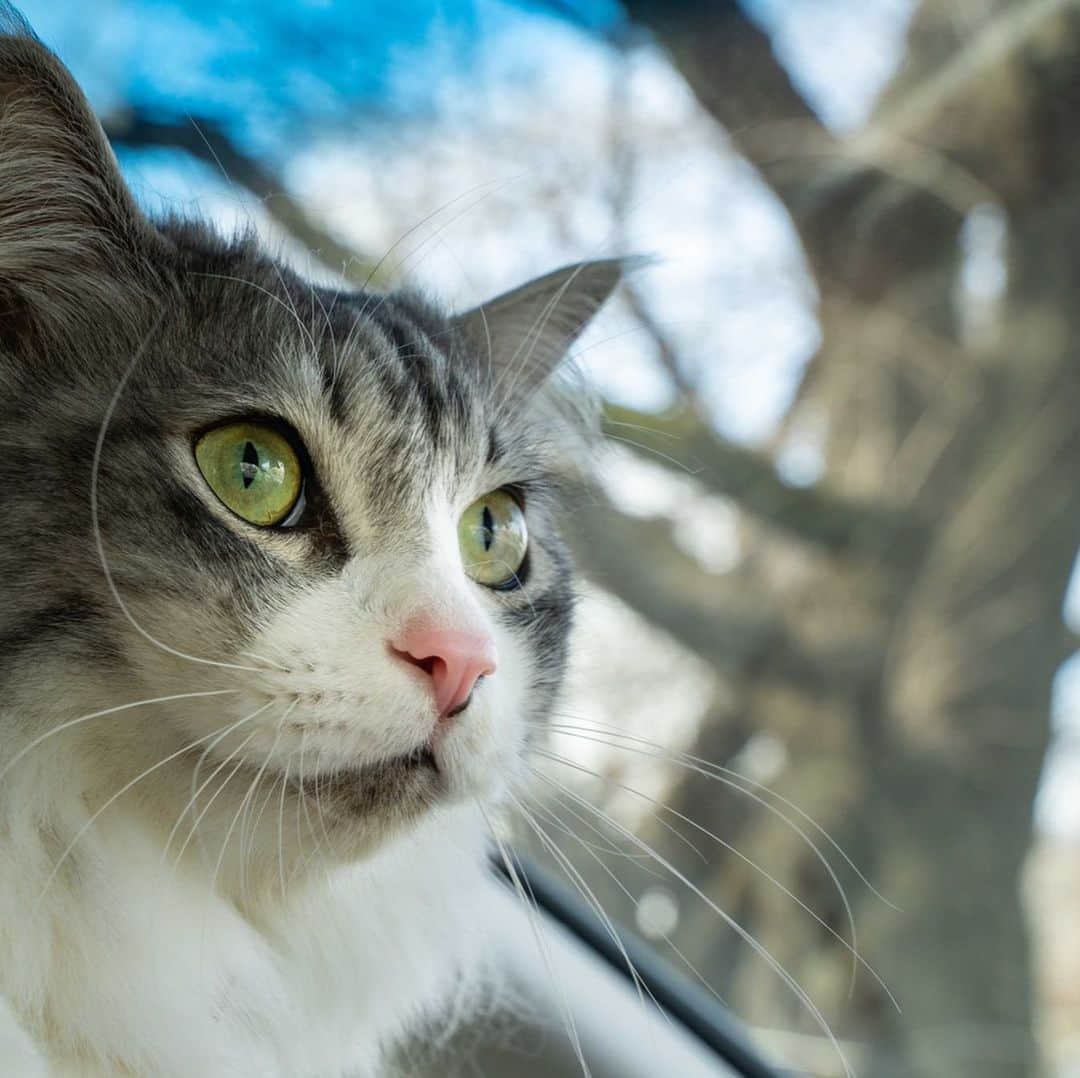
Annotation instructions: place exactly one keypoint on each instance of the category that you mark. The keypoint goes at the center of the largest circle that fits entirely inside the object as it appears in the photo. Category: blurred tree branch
(682, 442)
(728, 61)
(206, 141)
(732, 630)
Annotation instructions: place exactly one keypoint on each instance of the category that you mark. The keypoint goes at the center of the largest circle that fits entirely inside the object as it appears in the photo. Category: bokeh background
(828, 542)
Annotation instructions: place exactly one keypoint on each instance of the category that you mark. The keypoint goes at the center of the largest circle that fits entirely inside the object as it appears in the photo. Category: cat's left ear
(70, 231)
(525, 334)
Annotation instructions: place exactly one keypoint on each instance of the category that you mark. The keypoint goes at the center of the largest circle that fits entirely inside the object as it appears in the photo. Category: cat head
(317, 528)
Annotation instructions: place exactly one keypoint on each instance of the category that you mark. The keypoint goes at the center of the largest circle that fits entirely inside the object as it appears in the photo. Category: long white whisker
(588, 847)
(654, 816)
(232, 827)
(302, 804)
(264, 660)
(195, 774)
(405, 259)
(529, 902)
(759, 949)
(291, 310)
(851, 948)
(736, 781)
(95, 522)
(320, 814)
(100, 714)
(586, 892)
(281, 829)
(608, 847)
(194, 830)
(258, 779)
(116, 796)
(703, 767)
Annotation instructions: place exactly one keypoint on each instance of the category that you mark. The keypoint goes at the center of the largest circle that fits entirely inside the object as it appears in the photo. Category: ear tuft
(66, 217)
(524, 335)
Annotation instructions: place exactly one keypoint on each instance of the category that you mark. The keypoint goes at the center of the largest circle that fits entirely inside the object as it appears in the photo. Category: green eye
(253, 470)
(493, 540)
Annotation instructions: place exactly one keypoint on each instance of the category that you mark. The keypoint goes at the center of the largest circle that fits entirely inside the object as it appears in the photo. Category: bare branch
(205, 140)
(735, 632)
(728, 60)
(666, 351)
(839, 524)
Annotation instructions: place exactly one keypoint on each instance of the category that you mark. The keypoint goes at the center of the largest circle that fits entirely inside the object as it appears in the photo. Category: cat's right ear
(69, 227)
(524, 335)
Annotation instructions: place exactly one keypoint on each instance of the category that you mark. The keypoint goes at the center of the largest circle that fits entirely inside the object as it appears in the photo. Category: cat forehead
(260, 339)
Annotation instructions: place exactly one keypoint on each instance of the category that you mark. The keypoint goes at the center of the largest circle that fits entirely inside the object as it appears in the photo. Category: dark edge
(683, 1000)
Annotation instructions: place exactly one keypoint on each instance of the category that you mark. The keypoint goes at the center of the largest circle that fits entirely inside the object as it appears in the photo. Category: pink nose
(454, 660)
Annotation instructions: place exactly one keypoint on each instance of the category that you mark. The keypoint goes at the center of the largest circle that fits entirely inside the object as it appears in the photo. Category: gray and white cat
(281, 599)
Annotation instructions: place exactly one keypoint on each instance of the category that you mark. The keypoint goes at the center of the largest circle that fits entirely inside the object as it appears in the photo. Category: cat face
(331, 515)
(396, 429)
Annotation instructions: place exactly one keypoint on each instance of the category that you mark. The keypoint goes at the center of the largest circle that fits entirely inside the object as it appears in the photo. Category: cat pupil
(489, 528)
(249, 467)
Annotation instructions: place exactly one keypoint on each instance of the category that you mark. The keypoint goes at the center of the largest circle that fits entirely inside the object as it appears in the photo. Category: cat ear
(524, 334)
(67, 220)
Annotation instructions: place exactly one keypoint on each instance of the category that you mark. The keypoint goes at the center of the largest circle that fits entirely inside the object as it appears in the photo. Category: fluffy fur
(218, 853)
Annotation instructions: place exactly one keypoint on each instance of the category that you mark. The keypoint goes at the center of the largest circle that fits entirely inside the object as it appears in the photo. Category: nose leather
(454, 660)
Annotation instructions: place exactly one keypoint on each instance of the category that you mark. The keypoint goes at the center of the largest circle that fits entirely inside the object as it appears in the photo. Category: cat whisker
(586, 892)
(670, 828)
(253, 830)
(288, 307)
(591, 850)
(252, 787)
(258, 780)
(303, 804)
(265, 661)
(728, 777)
(493, 185)
(119, 793)
(240, 201)
(95, 521)
(531, 338)
(851, 948)
(320, 815)
(327, 331)
(528, 901)
(608, 422)
(607, 847)
(193, 831)
(281, 828)
(323, 845)
(630, 330)
(242, 812)
(101, 714)
(195, 776)
(681, 465)
(748, 938)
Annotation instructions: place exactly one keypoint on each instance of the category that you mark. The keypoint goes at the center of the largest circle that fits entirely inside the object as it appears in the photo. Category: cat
(283, 602)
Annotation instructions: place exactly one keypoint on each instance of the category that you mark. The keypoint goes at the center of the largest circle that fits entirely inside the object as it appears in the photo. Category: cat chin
(447, 770)
(401, 788)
